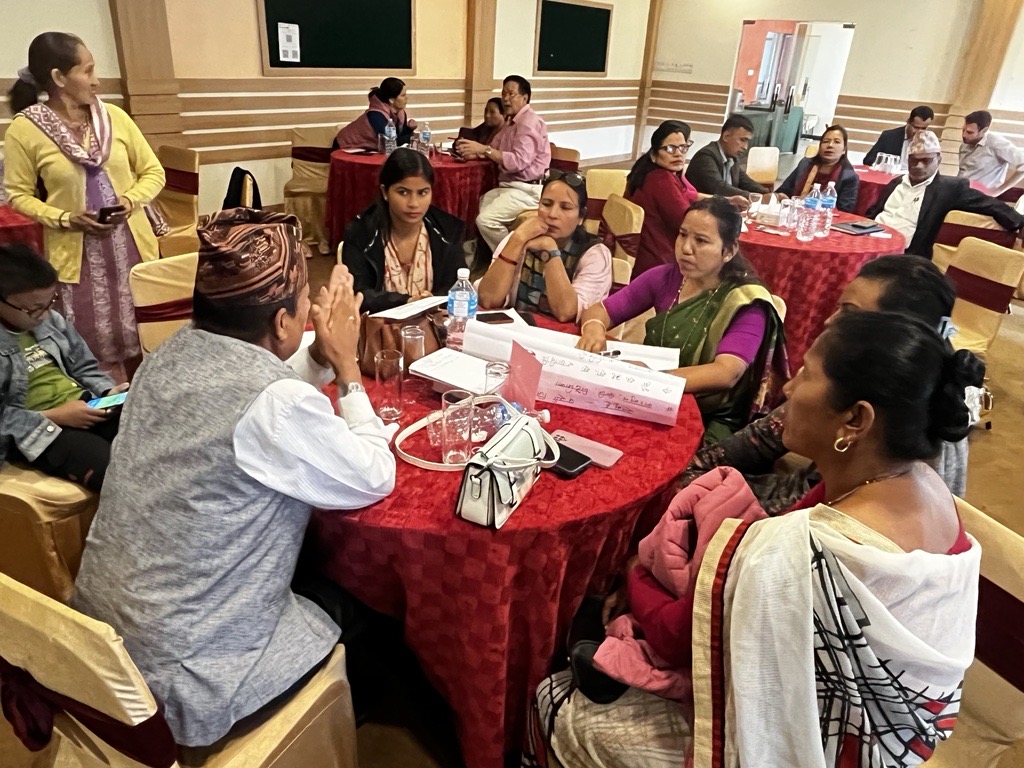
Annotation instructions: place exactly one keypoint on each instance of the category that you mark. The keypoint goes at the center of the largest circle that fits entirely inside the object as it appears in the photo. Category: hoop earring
(845, 445)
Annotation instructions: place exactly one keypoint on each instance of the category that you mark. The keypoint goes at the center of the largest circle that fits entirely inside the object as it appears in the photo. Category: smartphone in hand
(106, 214)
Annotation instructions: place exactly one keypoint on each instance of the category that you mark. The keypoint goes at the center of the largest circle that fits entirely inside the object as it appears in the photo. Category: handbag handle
(549, 442)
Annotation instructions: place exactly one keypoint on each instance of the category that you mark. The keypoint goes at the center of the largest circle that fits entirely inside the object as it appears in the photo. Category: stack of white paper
(405, 311)
(453, 370)
(581, 379)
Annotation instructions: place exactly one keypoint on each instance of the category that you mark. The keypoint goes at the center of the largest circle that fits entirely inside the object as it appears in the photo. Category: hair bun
(950, 418)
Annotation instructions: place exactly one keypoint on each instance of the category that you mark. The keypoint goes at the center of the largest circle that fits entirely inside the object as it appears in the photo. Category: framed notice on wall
(346, 36)
(572, 37)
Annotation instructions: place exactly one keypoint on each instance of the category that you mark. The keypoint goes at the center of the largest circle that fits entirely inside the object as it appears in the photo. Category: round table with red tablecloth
(809, 276)
(486, 611)
(354, 182)
(872, 183)
(15, 228)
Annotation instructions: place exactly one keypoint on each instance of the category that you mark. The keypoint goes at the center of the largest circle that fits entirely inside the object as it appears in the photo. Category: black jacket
(706, 169)
(849, 184)
(363, 254)
(945, 194)
(889, 143)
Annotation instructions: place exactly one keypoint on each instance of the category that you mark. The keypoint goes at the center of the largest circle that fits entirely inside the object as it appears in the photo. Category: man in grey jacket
(47, 376)
(224, 448)
(719, 167)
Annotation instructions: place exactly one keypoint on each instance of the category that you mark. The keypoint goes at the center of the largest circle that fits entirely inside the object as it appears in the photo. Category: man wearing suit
(896, 140)
(717, 169)
(917, 203)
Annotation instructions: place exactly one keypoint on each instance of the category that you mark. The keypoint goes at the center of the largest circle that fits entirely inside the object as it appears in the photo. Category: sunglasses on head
(572, 178)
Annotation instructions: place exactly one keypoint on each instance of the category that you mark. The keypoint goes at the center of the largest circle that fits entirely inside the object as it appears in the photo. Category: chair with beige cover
(565, 159)
(43, 524)
(985, 276)
(763, 165)
(990, 730)
(178, 201)
(602, 182)
(811, 151)
(621, 222)
(959, 224)
(162, 292)
(84, 660)
(305, 193)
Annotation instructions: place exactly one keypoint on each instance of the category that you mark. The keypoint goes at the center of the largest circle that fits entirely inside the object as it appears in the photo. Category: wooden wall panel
(701, 105)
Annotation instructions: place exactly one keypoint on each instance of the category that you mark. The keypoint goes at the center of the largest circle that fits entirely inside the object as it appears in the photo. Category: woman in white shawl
(835, 635)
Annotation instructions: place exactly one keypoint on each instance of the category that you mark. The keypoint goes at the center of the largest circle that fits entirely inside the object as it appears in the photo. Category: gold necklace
(878, 479)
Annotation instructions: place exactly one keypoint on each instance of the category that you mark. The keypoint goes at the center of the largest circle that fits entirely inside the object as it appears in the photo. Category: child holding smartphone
(47, 377)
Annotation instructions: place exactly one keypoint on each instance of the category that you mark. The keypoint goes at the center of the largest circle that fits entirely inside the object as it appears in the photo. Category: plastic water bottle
(390, 137)
(461, 309)
(808, 222)
(828, 207)
(425, 135)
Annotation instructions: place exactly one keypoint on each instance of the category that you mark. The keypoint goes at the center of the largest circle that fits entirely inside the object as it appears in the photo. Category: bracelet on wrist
(593, 320)
(507, 260)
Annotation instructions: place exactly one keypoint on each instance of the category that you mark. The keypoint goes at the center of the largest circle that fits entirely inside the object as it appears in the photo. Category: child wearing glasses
(550, 263)
(47, 377)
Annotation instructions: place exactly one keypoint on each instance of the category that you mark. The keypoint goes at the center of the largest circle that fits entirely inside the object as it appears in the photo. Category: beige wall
(24, 19)
(221, 38)
(1009, 92)
(901, 50)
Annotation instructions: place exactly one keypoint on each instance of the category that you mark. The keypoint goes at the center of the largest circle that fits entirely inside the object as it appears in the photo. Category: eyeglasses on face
(572, 178)
(673, 149)
(33, 312)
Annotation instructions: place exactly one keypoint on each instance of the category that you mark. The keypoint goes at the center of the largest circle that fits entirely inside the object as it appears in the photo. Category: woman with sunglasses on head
(710, 305)
(550, 263)
(47, 377)
(830, 164)
(403, 248)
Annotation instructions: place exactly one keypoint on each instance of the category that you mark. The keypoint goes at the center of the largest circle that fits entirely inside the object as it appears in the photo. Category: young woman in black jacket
(402, 248)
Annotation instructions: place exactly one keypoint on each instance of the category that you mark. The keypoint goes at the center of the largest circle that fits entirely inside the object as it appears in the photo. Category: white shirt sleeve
(290, 440)
(308, 369)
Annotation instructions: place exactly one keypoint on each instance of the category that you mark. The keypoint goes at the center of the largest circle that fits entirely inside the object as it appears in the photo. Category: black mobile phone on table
(494, 318)
(571, 463)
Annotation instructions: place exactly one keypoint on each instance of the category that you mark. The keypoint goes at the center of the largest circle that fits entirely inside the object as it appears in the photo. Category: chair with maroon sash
(178, 201)
(959, 224)
(602, 182)
(162, 292)
(990, 730)
(565, 159)
(72, 694)
(985, 275)
(305, 193)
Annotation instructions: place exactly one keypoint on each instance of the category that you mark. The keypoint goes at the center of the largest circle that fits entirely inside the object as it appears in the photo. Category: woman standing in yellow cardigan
(68, 157)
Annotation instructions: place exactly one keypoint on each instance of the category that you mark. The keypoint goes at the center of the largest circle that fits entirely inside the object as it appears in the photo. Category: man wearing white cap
(917, 203)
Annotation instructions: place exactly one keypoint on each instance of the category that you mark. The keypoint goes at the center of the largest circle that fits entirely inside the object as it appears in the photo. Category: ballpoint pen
(611, 353)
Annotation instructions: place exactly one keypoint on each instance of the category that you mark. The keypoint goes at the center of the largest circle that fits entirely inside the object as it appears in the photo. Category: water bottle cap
(463, 274)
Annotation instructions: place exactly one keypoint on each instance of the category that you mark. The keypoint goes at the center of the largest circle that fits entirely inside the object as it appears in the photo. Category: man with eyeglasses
(47, 377)
(720, 168)
(521, 151)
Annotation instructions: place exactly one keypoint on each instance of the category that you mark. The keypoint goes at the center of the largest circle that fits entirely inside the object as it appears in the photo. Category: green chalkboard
(344, 34)
(573, 38)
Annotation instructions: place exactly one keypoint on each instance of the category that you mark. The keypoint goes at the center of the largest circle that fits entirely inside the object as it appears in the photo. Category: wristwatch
(355, 386)
(488, 152)
(554, 253)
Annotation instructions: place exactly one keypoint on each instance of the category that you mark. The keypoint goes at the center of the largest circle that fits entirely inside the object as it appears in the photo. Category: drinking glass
(413, 348)
(794, 214)
(388, 365)
(785, 213)
(456, 426)
(495, 375)
(755, 205)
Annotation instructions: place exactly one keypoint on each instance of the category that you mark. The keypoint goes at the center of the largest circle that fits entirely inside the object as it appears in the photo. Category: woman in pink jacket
(387, 101)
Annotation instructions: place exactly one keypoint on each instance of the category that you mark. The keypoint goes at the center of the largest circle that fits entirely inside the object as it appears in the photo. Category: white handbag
(497, 478)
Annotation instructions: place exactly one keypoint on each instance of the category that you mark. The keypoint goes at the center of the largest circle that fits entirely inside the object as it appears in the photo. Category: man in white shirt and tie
(226, 444)
(989, 158)
(917, 204)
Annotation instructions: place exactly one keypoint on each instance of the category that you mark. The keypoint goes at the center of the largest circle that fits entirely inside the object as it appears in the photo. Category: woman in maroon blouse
(656, 183)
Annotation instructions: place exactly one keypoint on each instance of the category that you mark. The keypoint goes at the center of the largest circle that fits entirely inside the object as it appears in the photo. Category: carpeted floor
(410, 729)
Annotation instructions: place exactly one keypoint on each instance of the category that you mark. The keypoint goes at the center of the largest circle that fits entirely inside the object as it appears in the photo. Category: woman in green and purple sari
(710, 305)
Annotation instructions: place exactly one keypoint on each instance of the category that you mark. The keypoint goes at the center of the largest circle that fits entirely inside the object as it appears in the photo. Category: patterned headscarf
(250, 257)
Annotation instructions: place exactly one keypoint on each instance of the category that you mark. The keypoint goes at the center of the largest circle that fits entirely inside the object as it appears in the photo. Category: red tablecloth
(354, 181)
(810, 276)
(15, 228)
(486, 611)
(873, 182)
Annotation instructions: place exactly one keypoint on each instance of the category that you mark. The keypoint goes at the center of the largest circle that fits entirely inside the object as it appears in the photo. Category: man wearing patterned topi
(223, 450)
